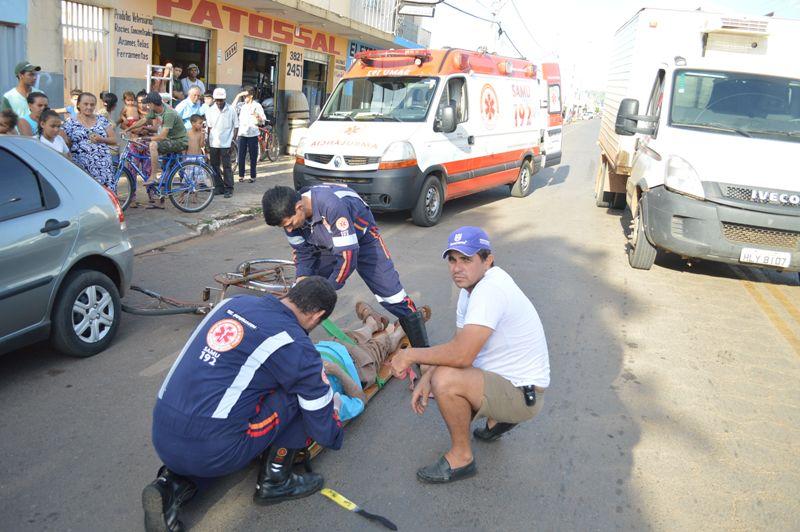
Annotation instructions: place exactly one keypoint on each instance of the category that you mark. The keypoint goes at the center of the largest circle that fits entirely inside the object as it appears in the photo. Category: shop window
(181, 52)
(261, 71)
(85, 34)
(314, 78)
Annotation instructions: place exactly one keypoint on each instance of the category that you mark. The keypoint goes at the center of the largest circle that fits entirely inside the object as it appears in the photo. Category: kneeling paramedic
(248, 382)
(332, 233)
(496, 367)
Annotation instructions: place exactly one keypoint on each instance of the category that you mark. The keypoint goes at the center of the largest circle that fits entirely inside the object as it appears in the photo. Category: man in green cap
(16, 98)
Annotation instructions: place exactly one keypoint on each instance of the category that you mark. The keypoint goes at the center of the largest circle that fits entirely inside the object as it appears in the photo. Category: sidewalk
(153, 228)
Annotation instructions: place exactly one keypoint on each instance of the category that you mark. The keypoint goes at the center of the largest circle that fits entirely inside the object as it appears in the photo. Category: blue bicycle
(185, 179)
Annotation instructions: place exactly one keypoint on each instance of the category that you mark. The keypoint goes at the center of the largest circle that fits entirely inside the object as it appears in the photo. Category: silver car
(65, 256)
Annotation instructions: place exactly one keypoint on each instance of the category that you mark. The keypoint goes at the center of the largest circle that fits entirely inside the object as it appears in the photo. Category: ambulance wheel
(641, 253)
(428, 209)
(524, 183)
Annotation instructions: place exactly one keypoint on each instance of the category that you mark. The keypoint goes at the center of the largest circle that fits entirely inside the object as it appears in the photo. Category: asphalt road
(674, 402)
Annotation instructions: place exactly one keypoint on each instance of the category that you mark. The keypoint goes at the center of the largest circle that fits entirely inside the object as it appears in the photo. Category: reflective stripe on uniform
(210, 315)
(316, 404)
(259, 355)
(348, 194)
(343, 241)
(396, 298)
(295, 240)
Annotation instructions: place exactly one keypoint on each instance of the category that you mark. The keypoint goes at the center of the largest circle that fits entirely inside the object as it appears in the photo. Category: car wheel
(86, 314)
(524, 183)
(430, 203)
(641, 253)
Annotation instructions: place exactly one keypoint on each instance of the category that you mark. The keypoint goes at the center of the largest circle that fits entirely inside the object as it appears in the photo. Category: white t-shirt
(250, 115)
(58, 144)
(222, 125)
(517, 349)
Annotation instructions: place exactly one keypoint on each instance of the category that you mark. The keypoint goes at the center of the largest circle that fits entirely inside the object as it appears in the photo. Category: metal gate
(85, 31)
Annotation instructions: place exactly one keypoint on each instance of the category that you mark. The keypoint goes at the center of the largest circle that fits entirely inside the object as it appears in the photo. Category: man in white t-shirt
(496, 367)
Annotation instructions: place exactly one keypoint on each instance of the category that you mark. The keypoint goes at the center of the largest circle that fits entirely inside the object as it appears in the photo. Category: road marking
(159, 367)
(770, 312)
(778, 294)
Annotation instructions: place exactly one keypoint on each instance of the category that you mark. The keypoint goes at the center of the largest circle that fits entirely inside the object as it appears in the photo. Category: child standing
(8, 122)
(49, 132)
(197, 145)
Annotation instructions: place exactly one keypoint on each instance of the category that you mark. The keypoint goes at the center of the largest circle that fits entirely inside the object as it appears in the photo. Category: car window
(20, 192)
(656, 99)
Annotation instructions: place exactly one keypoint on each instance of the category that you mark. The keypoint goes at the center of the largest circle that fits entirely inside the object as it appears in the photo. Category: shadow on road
(548, 177)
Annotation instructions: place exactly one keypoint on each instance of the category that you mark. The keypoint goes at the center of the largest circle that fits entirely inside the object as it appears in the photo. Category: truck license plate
(778, 259)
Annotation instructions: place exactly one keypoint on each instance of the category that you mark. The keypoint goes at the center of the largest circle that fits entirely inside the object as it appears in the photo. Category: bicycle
(185, 179)
(268, 145)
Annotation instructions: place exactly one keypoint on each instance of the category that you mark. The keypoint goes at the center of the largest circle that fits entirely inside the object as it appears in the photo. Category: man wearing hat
(222, 122)
(171, 137)
(191, 80)
(495, 367)
(16, 98)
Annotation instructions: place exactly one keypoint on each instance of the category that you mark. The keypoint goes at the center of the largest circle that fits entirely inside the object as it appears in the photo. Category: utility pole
(495, 27)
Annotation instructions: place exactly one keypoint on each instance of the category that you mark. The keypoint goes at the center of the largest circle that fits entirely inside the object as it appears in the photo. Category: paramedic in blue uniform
(333, 233)
(248, 382)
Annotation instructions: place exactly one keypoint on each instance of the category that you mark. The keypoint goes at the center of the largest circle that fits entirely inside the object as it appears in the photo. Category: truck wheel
(641, 253)
(86, 314)
(602, 198)
(428, 209)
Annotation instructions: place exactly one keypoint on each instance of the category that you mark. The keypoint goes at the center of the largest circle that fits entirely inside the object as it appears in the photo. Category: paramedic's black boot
(414, 326)
(277, 482)
(162, 498)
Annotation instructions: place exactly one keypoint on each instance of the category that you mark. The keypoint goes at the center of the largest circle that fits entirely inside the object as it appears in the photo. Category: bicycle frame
(170, 164)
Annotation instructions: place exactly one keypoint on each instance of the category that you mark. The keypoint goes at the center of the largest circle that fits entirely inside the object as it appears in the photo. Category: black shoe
(252, 180)
(277, 482)
(494, 433)
(227, 195)
(414, 326)
(162, 498)
(441, 473)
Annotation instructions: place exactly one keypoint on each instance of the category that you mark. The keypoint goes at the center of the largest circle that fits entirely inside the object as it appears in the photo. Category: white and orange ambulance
(411, 129)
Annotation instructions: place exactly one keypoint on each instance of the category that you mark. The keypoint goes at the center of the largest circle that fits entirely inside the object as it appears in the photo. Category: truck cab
(712, 172)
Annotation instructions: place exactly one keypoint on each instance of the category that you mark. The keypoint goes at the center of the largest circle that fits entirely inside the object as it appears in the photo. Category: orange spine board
(426, 62)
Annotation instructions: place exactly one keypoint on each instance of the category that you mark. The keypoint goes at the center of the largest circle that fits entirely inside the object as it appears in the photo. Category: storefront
(260, 69)
(182, 45)
(315, 77)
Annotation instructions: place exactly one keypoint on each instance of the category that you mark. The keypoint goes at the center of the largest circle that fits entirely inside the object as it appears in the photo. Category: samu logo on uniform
(224, 335)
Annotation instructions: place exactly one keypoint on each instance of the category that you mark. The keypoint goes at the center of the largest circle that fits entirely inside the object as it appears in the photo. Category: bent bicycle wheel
(125, 188)
(190, 187)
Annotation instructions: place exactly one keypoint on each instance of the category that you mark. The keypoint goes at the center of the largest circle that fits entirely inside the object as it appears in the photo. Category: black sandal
(494, 433)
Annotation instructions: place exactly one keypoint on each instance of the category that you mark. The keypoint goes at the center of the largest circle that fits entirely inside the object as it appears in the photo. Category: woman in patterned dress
(89, 137)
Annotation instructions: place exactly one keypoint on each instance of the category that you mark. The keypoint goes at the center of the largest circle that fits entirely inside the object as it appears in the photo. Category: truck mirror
(446, 122)
(626, 117)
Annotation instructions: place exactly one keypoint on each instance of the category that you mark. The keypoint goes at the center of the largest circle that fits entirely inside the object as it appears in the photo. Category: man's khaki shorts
(172, 146)
(504, 402)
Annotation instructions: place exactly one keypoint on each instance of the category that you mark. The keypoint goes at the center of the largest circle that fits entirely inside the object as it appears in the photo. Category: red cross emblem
(225, 335)
(351, 130)
(490, 106)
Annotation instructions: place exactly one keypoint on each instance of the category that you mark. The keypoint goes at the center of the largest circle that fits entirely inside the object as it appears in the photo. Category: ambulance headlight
(682, 178)
(301, 147)
(399, 154)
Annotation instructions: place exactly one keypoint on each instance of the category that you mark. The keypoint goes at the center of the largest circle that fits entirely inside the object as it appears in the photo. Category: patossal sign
(237, 20)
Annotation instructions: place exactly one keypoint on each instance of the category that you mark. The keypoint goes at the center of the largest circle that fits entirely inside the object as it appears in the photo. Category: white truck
(708, 166)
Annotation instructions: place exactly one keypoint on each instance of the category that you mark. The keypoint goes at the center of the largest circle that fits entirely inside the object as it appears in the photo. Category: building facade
(97, 45)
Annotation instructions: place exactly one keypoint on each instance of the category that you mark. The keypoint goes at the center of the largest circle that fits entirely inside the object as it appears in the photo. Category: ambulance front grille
(359, 160)
(743, 24)
(322, 158)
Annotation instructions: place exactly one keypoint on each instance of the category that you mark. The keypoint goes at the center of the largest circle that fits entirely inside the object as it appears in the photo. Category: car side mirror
(446, 121)
(628, 118)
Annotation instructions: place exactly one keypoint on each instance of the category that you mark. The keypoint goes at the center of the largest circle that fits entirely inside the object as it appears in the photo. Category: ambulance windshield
(391, 99)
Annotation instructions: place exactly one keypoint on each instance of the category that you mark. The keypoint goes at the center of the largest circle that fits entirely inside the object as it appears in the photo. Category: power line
(514, 4)
(499, 26)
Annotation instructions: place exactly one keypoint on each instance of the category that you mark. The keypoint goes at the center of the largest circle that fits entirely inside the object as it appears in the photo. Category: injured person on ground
(352, 367)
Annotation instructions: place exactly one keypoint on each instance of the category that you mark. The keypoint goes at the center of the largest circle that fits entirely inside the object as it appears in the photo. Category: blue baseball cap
(467, 240)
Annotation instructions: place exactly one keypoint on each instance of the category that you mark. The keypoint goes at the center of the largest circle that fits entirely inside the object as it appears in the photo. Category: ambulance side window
(656, 99)
(455, 94)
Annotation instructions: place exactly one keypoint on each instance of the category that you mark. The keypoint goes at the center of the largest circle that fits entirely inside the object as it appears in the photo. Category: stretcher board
(276, 277)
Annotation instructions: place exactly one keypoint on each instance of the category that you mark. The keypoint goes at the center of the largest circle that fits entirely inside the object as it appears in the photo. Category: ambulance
(412, 129)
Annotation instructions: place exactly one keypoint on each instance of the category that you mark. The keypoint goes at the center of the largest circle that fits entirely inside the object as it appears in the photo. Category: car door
(36, 236)
(453, 150)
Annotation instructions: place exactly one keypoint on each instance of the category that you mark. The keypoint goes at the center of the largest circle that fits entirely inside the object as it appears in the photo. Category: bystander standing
(89, 137)
(191, 80)
(29, 124)
(16, 98)
(222, 122)
(8, 122)
(190, 106)
(251, 115)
